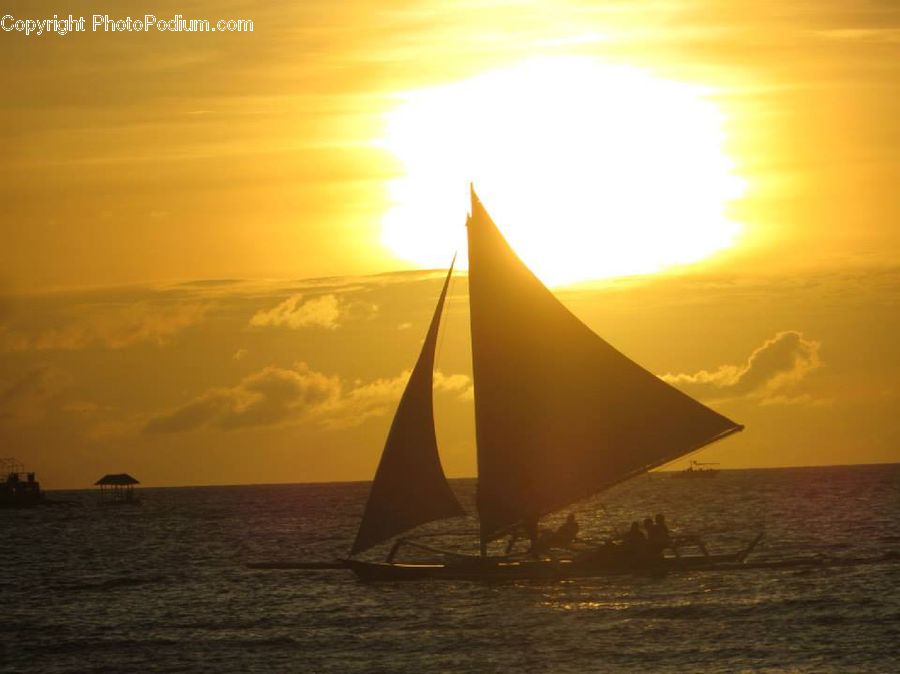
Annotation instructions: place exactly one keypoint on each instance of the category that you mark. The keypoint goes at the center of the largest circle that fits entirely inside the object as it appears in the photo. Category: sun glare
(591, 170)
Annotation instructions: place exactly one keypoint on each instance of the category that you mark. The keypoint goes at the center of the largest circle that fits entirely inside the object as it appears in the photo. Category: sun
(591, 170)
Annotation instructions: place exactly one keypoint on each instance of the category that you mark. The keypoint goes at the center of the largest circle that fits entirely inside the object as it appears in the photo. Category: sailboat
(698, 469)
(560, 415)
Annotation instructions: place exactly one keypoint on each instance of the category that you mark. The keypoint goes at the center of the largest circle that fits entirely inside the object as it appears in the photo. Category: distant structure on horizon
(117, 489)
(19, 489)
(698, 469)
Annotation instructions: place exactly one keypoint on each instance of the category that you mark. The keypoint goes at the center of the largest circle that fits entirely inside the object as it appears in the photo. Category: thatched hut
(117, 489)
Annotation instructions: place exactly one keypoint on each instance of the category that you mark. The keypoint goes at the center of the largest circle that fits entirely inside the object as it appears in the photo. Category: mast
(410, 488)
(559, 413)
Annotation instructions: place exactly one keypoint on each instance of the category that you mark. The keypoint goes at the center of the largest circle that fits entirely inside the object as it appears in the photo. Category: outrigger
(586, 562)
(495, 569)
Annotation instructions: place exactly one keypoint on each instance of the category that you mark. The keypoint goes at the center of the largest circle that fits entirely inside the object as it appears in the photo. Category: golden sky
(747, 152)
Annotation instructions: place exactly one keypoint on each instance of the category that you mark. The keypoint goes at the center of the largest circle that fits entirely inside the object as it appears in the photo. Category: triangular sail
(560, 414)
(410, 487)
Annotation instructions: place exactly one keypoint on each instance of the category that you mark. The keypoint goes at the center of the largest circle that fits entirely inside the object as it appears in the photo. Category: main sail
(559, 413)
(410, 487)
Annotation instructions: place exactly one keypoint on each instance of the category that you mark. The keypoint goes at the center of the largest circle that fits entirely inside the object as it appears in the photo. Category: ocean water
(164, 587)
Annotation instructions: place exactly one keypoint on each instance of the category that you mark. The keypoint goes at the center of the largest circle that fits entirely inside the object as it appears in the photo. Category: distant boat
(560, 415)
(698, 469)
(18, 489)
(117, 489)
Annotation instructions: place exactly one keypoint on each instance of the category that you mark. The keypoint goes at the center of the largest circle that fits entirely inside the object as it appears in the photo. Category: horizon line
(474, 477)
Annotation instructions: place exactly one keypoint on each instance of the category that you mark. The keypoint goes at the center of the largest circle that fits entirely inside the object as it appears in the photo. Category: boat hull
(489, 569)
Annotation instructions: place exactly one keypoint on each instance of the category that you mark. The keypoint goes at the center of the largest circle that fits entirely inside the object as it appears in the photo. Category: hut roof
(117, 479)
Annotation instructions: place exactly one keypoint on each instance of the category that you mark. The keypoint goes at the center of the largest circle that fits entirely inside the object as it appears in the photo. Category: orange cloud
(277, 396)
(324, 311)
(110, 326)
(778, 365)
(27, 398)
(269, 397)
(380, 397)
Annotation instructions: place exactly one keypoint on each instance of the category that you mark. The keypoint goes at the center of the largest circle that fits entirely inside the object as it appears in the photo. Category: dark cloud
(269, 397)
(276, 396)
(110, 325)
(771, 370)
(211, 283)
(26, 398)
(379, 397)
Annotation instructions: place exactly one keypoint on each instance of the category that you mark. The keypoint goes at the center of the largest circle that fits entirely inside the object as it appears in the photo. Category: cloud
(380, 397)
(82, 407)
(11, 340)
(777, 366)
(268, 397)
(875, 35)
(362, 402)
(324, 312)
(452, 383)
(111, 326)
(26, 399)
(276, 396)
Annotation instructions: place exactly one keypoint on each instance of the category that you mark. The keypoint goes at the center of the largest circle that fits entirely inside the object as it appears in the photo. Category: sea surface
(164, 588)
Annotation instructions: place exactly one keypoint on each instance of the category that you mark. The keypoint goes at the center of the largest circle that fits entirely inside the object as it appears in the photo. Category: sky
(215, 248)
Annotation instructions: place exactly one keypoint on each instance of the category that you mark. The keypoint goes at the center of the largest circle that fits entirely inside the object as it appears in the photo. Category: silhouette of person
(530, 526)
(634, 541)
(662, 531)
(657, 535)
(541, 540)
(566, 532)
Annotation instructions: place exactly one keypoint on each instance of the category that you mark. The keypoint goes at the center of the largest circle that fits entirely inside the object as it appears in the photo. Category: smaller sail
(410, 487)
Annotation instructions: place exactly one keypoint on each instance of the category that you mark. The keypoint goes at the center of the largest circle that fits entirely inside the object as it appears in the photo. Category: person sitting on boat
(657, 535)
(662, 531)
(541, 540)
(634, 542)
(566, 533)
